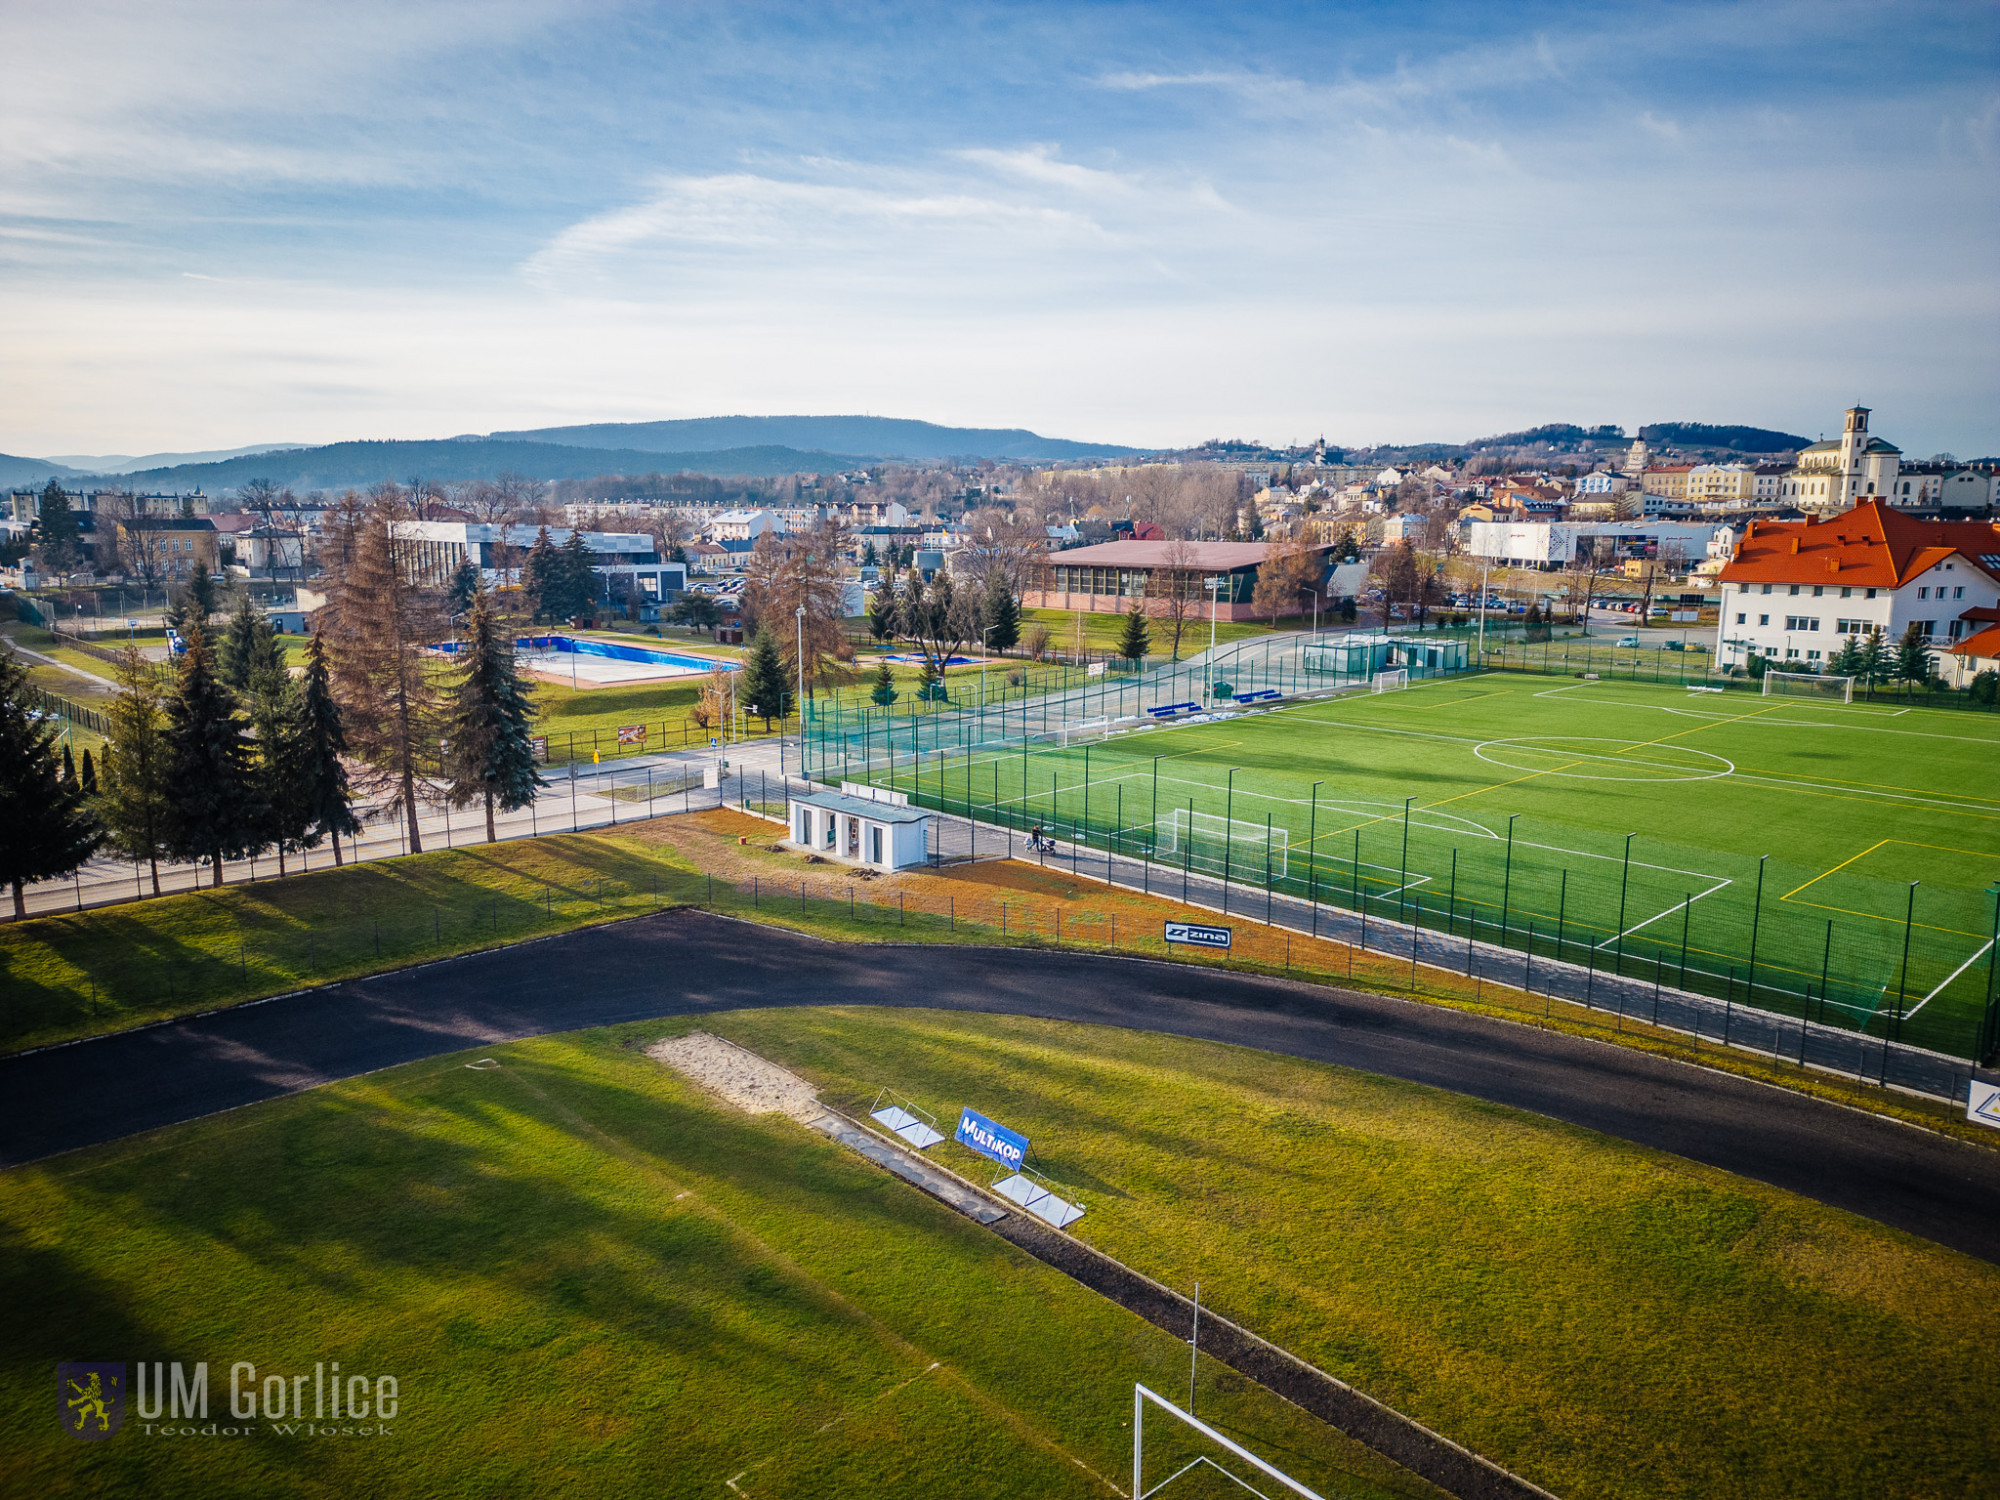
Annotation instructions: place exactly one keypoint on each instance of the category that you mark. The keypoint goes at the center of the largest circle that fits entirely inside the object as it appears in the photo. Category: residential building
(1109, 577)
(170, 547)
(1670, 480)
(1557, 544)
(742, 526)
(1794, 590)
(439, 548)
(1603, 483)
(1942, 489)
(1721, 484)
(1831, 477)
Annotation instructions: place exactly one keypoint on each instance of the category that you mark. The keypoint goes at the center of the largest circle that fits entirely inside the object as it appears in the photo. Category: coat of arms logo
(90, 1399)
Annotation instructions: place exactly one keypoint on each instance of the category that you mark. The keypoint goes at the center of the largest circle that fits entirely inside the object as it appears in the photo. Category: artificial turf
(1852, 852)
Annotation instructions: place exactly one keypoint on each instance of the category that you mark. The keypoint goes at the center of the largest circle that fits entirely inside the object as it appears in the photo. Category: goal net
(1188, 1444)
(1808, 685)
(1391, 680)
(1205, 841)
(1084, 732)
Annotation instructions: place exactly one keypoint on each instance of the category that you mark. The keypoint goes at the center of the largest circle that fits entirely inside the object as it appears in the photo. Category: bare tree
(1289, 572)
(1176, 589)
(794, 571)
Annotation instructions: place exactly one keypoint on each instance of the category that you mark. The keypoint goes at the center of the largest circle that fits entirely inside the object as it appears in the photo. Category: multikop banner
(1199, 935)
(989, 1139)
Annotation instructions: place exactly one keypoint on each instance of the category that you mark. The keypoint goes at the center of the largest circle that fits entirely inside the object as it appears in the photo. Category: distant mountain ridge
(897, 437)
(1737, 439)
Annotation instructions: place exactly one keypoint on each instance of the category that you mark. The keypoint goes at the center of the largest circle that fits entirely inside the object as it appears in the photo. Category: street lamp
(1213, 585)
(802, 691)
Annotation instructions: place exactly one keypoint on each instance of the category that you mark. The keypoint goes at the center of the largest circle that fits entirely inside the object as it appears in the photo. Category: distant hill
(354, 465)
(887, 436)
(1561, 436)
(17, 473)
(1736, 439)
(120, 463)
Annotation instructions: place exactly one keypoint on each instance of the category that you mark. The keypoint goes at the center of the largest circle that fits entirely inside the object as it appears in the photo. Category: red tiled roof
(1871, 545)
(1986, 643)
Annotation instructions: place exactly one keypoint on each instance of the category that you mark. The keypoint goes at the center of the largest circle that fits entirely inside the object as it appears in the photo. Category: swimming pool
(604, 663)
(619, 651)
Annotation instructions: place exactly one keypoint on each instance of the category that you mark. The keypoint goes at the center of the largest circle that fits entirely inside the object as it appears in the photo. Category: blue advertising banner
(989, 1139)
(1198, 934)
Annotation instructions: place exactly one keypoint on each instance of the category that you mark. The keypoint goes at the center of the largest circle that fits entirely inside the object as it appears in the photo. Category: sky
(224, 224)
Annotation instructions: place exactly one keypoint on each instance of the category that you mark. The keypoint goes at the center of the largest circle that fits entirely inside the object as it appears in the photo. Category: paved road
(690, 963)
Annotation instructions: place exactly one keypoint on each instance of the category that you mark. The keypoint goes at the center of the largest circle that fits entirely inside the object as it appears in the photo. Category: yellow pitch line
(1835, 871)
(1879, 785)
(1716, 724)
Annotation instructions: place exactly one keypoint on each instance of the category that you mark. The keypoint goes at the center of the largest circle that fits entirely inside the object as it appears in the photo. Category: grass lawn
(1521, 792)
(588, 1279)
(1101, 632)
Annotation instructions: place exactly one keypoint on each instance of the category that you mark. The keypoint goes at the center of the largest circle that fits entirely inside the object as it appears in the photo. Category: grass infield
(1851, 851)
(590, 1279)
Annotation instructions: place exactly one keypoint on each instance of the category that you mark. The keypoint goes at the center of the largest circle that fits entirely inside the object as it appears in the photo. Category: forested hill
(1737, 439)
(355, 465)
(895, 437)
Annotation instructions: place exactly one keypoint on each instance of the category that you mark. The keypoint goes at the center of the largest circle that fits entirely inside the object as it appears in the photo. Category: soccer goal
(1229, 1455)
(1392, 680)
(1203, 841)
(1085, 732)
(1808, 685)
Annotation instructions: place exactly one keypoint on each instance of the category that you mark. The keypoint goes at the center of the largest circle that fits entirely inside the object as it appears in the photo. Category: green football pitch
(1856, 846)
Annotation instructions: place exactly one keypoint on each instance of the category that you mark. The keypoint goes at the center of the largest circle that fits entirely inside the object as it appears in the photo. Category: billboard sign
(990, 1139)
(1198, 934)
(631, 734)
(1982, 1104)
(539, 746)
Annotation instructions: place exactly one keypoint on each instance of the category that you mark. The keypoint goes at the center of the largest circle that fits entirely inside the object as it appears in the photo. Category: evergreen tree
(1878, 662)
(464, 584)
(489, 728)
(134, 806)
(213, 812)
(1848, 660)
(931, 688)
(1914, 662)
(882, 609)
(766, 692)
(578, 582)
(46, 828)
(200, 605)
(319, 742)
(884, 691)
(69, 769)
(1136, 639)
(56, 530)
(1000, 614)
(868, 556)
(541, 577)
(248, 652)
(274, 716)
(89, 779)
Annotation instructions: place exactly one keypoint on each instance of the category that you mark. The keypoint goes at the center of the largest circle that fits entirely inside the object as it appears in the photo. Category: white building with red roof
(1796, 589)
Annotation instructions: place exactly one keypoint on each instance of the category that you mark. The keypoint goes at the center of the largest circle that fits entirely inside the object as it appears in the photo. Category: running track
(690, 963)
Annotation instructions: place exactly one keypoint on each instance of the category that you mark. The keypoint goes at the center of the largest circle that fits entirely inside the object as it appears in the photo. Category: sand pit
(741, 1078)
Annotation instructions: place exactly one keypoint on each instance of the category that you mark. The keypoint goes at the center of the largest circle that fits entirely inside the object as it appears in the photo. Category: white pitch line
(1669, 911)
(1978, 953)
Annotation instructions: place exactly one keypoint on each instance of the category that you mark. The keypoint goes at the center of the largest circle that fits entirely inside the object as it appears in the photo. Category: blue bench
(1168, 710)
(1266, 695)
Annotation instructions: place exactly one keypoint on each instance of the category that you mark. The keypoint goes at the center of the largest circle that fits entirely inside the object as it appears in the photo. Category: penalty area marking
(1552, 747)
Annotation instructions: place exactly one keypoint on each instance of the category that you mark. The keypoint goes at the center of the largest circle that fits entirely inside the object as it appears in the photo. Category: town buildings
(1112, 576)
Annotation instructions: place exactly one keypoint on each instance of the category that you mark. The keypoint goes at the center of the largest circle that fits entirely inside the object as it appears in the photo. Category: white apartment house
(740, 526)
(1795, 590)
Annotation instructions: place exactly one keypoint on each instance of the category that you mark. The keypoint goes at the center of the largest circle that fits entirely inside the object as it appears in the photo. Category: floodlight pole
(1624, 882)
(1903, 978)
(802, 701)
(1403, 879)
(1228, 830)
(1756, 916)
(1507, 880)
(1482, 609)
(1312, 870)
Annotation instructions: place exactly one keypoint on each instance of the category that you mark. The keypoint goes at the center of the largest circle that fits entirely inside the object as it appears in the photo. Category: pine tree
(1914, 662)
(135, 802)
(46, 828)
(56, 530)
(489, 730)
(541, 577)
(1878, 662)
(200, 606)
(320, 742)
(1848, 660)
(579, 583)
(1136, 639)
(274, 716)
(1000, 614)
(89, 779)
(464, 584)
(766, 693)
(69, 769)
(884, 691)
(213, 812)
(382, 620)
(249, 649)
(882, 607)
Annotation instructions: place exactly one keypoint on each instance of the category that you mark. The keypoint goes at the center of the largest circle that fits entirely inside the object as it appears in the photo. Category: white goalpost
(1808, 685)
(1202, 841)
(1084, 732)
(1270, 1473)
(1392, 680)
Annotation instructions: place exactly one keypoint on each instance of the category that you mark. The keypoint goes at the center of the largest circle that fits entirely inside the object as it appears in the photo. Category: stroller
(1039, 842)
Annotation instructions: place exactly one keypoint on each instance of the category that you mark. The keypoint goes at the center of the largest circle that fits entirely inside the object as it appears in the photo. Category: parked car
(1629, 640)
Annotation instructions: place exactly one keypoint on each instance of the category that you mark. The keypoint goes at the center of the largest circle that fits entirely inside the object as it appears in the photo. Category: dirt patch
(740, 1077)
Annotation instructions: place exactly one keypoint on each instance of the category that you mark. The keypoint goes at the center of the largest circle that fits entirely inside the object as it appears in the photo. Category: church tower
(1853, 448)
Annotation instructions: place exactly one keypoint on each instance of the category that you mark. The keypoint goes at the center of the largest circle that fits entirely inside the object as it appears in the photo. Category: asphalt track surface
(685, 962)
